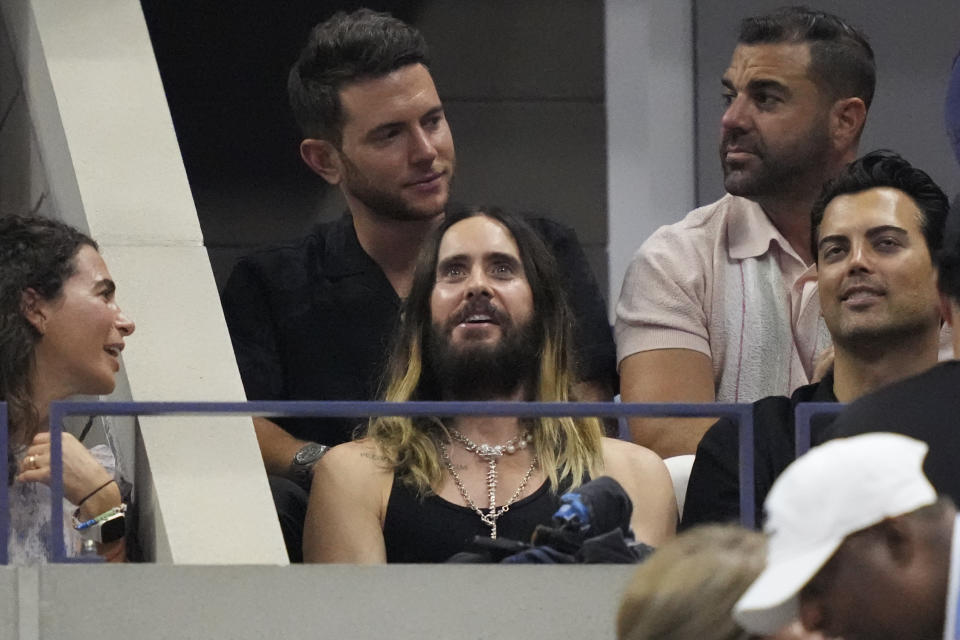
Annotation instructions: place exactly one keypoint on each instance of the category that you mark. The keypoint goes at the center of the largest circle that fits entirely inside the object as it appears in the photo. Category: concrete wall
(523, 85)
(92, 137)
(23, 182)
(405, 602)
(650, 127)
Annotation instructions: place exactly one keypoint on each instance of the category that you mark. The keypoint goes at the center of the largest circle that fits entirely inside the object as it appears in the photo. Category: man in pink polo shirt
(722, 305)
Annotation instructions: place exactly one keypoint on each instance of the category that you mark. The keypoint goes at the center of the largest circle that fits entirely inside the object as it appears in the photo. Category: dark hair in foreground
(38, 254)
(841, 59)
(566, 448)
(948, 276)
(883, 168)
(347, 48)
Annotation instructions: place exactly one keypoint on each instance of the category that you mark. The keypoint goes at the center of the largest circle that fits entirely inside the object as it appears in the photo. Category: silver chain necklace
(490, 453)
(486, 451)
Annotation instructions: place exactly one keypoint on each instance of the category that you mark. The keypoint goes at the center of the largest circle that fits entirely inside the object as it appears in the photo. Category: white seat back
(679, 468)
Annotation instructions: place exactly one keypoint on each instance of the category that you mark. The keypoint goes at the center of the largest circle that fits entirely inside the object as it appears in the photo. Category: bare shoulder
(645, 478)
(348, 497)
(359, 460)
(364, 451)
(351, 479)
(623, 456)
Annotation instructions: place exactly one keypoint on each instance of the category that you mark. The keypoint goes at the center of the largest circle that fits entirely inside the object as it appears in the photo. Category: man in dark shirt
(877, 229)
(926, 406)
(313, 321)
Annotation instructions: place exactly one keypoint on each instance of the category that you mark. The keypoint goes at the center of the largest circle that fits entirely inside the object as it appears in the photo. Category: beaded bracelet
(106, 515)
(94, 492)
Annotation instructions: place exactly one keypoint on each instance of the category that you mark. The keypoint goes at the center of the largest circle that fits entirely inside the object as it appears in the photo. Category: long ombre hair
(35, 253)
(567, 449)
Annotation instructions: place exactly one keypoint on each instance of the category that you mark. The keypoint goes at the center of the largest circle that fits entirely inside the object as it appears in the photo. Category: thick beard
(481, 371)
(380, 202)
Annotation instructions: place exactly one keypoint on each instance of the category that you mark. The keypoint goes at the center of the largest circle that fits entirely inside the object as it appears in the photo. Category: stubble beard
(483, 371)
(781, 172)
(383, 203)
(872, 341)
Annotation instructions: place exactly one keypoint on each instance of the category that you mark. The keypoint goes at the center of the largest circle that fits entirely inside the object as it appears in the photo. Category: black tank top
(432, 529)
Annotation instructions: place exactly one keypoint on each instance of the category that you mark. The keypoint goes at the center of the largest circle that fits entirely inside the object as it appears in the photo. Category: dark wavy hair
(884, 168)
(344, 49)
(841, 59)
(35, 253)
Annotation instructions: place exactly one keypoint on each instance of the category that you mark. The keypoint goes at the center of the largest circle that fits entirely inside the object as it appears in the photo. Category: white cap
(836, 489)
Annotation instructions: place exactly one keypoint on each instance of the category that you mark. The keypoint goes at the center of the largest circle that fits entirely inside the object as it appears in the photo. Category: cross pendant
(490, 519)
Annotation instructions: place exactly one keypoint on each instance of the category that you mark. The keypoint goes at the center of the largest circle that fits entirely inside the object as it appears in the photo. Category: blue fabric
(953, 108)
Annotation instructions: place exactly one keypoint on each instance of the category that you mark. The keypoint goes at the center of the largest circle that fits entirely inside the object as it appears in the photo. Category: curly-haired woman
(61, 333)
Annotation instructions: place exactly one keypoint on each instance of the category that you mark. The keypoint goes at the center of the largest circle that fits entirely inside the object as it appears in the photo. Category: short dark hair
(841, 59)
(35, 253)
(344, 49)
(884, 168)
(948, 276)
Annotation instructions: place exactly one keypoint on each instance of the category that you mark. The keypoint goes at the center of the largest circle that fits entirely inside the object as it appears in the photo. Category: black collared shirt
(313, 321)
(713, 494)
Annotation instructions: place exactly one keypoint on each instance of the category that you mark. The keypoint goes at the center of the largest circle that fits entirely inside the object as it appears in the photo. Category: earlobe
(323, 158)
(947, 309)
(31, 304)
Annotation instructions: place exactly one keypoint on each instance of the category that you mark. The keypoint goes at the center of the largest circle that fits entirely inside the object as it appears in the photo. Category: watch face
(310, 453)
(113, 529)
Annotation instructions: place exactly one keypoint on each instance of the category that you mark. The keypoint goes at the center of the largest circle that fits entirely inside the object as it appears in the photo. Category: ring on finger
(31, 462)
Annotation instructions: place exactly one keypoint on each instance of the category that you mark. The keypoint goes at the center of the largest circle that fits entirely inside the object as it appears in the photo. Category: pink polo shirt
(724, 282)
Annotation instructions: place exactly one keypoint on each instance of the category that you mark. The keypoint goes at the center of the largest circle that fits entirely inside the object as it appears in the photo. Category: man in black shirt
(877, 229)
(926, 406)
(313, 321)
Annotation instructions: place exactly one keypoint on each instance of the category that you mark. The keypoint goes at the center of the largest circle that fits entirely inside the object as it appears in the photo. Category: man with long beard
(485, 320)
(722, 305)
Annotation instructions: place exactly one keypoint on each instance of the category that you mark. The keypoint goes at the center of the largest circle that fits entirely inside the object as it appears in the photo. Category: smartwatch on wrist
(303, 462)
(107, 527)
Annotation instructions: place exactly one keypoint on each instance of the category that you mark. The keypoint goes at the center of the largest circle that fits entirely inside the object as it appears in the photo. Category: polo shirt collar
(750, 232)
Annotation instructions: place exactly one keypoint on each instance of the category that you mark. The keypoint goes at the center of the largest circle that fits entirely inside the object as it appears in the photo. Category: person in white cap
(859, 545)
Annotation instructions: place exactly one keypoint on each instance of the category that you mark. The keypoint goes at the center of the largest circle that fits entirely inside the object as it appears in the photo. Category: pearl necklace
(490, 453)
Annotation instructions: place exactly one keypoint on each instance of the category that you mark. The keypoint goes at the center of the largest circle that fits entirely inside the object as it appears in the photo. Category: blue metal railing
(742, 413)
(805, 412)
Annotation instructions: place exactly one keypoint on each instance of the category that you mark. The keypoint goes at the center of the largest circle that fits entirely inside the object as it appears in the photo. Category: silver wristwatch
(303, 461)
